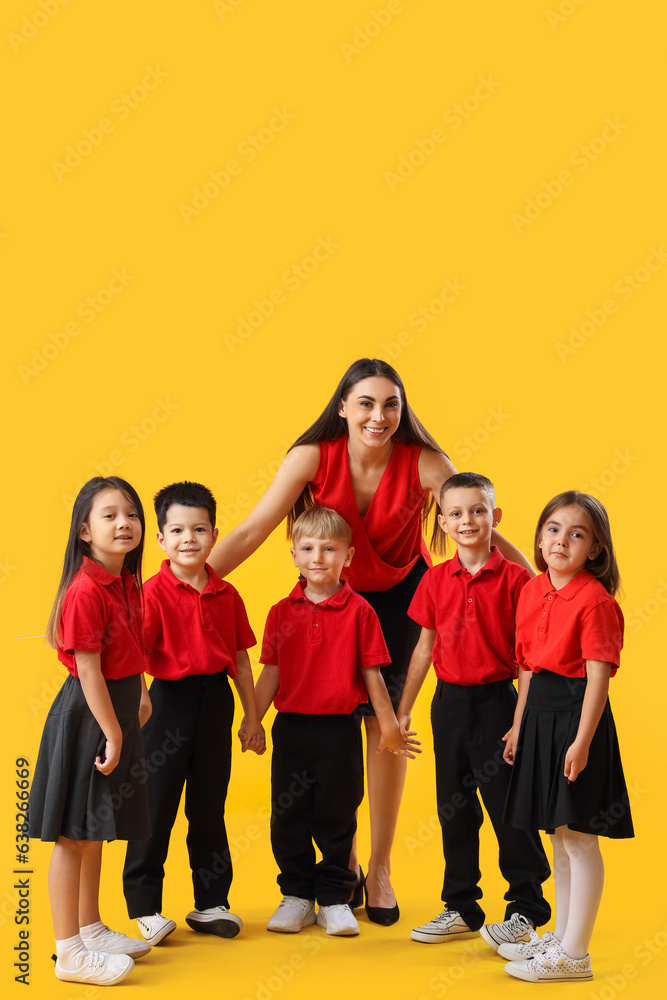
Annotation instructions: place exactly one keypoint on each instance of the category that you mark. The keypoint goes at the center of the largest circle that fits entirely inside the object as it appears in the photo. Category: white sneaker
(97, 968)
(215, 920)
(155, 927)
(516, 930)
(114, 943)
(338, 919)
(447, 925)
(535, 946)
(551, 966)
(292, 915)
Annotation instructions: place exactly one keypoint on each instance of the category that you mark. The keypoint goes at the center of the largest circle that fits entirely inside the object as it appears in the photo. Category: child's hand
(404, 721)
(576, 759)
(510, 738)
(111, 756)
(399, 745)
(252, 737)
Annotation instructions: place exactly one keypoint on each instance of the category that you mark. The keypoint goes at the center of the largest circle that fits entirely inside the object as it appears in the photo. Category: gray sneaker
(447, 925)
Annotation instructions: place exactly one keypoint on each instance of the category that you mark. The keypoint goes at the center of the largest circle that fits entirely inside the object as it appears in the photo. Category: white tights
(579, 878)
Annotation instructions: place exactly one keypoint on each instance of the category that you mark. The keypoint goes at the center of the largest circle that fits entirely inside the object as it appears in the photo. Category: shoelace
(96, 959)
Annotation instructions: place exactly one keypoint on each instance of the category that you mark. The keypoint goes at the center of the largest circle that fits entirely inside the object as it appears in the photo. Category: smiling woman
(368, 457)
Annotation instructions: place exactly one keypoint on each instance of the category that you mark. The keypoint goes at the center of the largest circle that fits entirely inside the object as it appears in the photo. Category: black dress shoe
(384, 915)
(358, 895)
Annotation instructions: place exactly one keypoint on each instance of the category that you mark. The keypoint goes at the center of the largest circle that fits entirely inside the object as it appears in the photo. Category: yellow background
(152, 389)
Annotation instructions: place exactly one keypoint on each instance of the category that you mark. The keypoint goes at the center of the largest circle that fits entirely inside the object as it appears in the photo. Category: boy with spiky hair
(196, 634)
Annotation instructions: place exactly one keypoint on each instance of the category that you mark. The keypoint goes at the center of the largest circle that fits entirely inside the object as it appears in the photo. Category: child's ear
(497, 516)
(84, 533)
(293, 551)
(348, 556)
(596, 549)
(442, 523)
(215, 535)
(160, 540)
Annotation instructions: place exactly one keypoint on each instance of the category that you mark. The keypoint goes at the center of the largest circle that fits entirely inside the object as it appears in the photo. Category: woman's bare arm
(296, 470)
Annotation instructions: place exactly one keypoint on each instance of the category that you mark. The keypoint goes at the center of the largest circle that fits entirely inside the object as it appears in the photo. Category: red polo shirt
(102, 614)
(474, 618)
(559, 630)
(319, 650)
(187, 632)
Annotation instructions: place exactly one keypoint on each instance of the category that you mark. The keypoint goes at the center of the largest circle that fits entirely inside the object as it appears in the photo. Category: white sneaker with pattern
(536, 945)
(551, 966)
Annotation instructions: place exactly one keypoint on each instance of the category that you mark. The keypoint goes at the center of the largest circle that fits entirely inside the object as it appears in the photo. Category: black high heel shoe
(384, 915)
(358, 894)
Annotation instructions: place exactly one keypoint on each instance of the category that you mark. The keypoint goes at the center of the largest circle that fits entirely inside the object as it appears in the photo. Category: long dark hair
(77, 548)
(604, 566)
(331, 425)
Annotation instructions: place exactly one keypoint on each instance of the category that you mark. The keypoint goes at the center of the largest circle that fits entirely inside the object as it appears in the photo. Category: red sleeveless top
(388, 539)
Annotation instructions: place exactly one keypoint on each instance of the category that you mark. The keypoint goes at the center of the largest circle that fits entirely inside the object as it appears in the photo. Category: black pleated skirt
(539, 795)
(69, 796)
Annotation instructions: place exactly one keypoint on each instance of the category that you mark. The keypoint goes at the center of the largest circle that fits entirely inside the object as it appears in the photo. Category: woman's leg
(562, 878)
(386, 778)
(587, 881)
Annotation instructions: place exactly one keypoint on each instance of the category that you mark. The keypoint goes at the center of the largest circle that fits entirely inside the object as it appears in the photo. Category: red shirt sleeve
(152, 624)
(245, 637)
(270, 640)
(82, 622)
(422, 607)
(601, 634)
(371, 648)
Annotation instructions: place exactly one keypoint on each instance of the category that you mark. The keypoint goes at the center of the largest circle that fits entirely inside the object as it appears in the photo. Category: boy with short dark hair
(196, 634)
(323, 648)
(466, 607)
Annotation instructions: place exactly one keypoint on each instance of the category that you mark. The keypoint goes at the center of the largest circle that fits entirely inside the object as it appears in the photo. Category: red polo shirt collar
(102, 576)
(571, 589)
(337, 600)
(214, 585)
(492, 565)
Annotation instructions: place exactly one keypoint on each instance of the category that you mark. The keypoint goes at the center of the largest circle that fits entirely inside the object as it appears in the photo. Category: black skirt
(69, 796)
(539, 795)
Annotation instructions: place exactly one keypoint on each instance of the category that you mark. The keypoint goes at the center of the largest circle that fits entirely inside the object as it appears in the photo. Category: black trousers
(317, 784)
(187, 741)
(468, 726)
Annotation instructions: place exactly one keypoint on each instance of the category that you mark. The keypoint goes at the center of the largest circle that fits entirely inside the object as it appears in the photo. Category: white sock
(71, 952)
(93, 930)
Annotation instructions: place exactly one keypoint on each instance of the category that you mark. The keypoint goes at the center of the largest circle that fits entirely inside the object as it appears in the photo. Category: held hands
(510, 738)
(576, 759)
(111, 756)
(397, 743)
(252, 737)
(404, 720)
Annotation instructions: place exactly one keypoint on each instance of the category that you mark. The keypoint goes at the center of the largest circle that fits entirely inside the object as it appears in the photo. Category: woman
(368, 457)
